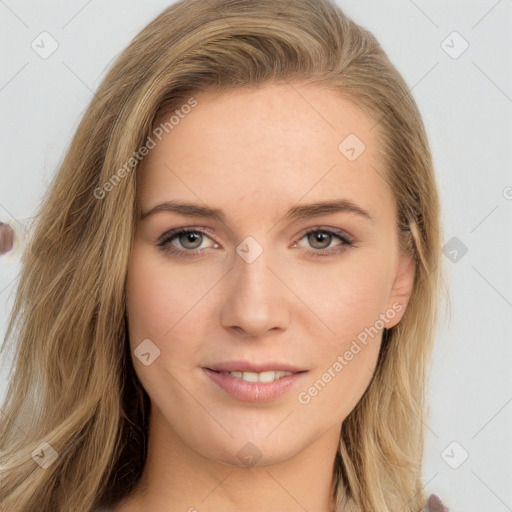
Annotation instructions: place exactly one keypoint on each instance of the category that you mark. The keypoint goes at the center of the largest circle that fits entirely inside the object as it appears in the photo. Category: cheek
(353, 307)
(168, 306)
(347, 296)
(160, 303)
(338, 385)
(160, 298)
(351, 300)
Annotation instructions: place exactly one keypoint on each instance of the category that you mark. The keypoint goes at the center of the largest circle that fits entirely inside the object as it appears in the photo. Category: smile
(250, 386)
(268, 376)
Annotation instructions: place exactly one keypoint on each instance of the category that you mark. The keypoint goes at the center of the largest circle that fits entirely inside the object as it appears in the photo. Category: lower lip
(253, 391)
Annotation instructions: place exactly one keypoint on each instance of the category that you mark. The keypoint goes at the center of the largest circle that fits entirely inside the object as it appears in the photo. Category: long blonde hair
(73, 385)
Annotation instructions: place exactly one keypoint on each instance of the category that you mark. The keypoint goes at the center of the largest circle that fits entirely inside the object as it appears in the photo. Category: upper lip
(247, 366)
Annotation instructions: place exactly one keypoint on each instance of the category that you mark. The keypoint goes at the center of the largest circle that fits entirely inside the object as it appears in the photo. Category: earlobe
(402, 287)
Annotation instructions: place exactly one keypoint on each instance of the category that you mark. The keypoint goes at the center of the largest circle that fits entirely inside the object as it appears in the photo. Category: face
(265, 283)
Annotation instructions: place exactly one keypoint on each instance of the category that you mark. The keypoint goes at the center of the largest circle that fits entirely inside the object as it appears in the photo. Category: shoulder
(435, 504)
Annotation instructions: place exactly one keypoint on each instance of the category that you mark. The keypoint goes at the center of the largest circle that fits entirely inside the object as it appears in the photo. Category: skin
(255, 154)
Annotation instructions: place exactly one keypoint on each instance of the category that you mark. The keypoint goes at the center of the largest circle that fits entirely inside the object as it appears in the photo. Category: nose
(256, 301)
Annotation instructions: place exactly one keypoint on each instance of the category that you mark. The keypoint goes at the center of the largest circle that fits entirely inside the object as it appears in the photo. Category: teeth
(269, 376)
(250, 377)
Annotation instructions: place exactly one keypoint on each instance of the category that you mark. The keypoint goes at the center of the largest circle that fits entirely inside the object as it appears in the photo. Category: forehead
(275, 143)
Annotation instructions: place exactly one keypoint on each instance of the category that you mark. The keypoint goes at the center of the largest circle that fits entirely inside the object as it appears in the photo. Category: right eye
(190, 241)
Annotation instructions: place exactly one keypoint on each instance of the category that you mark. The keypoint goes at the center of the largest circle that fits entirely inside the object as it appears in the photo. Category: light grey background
(466, 103)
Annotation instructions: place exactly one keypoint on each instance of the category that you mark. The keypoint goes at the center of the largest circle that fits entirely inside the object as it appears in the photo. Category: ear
(402, 287)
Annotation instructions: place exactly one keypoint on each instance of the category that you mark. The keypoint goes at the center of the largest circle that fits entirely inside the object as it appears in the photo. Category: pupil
(320, 237)
(189, 237)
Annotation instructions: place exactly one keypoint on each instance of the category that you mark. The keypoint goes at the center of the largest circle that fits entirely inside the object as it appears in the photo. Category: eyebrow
(296, 212)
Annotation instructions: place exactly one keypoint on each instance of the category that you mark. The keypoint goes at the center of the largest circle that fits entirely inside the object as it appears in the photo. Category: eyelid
(171, 233)
(335, 231)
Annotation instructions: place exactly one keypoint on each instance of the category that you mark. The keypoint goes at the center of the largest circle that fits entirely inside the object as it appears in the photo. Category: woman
(229, 299)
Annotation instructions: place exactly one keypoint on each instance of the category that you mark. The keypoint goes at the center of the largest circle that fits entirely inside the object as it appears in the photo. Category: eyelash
(164, 242)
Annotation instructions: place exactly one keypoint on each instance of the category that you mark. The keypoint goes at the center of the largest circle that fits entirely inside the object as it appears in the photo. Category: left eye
(318, 238)
(191, 240)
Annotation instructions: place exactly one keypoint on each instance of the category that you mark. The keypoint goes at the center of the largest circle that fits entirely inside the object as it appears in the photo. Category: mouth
(250, 382)
(267, 376)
